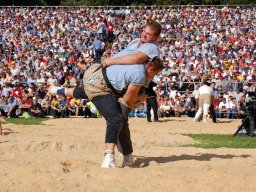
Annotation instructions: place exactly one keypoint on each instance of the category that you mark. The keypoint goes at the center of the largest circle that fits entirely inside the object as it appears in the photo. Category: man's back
(120, 76)
(204, 89)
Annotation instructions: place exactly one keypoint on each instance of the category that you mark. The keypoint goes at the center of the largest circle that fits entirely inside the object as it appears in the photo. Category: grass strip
(216, 141)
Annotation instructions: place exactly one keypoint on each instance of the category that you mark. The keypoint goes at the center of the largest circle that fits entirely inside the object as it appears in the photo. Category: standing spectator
(101, 29)
(151, 101)
(98, 48)
(241, 108)
(110, 34)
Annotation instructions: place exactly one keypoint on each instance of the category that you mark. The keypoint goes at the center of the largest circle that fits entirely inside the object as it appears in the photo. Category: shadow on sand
(142, 162)
(7, 131)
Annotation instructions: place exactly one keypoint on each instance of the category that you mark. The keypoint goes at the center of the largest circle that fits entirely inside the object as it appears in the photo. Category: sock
(61, 91)
(109, 151)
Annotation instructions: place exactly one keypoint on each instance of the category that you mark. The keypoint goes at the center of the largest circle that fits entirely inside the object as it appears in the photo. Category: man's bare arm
(132, 94)
(135, 58)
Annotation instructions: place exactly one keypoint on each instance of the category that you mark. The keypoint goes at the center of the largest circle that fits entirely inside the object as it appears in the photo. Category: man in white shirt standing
(205, 97)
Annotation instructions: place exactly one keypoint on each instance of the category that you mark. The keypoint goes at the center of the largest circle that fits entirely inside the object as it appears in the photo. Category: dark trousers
(212, 113)
(36, 115)
(117, 121)
(152, 103)
(79, 93)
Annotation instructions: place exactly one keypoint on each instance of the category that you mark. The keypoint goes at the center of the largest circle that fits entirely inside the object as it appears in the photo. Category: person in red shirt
(17, 91)
(25, 103)
(110, 35)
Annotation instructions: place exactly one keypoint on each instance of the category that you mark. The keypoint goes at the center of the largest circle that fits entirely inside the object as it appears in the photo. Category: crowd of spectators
(40, 47)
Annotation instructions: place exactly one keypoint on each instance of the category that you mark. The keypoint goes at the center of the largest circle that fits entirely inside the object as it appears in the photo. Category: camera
(248, 126)
(250, 104)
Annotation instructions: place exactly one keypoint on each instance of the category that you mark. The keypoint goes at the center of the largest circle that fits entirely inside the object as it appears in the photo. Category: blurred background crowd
(40, 47)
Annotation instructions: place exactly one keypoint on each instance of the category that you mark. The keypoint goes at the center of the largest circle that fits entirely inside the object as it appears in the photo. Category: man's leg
(76, 92)
(125, 139)
(212, 113)
(110, 109)
(148, 110)
(155, 108)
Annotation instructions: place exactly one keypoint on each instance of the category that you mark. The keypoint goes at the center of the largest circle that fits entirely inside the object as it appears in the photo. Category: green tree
(24, 3)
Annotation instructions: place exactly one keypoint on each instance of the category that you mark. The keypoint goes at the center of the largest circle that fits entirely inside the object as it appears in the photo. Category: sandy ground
(65, 155)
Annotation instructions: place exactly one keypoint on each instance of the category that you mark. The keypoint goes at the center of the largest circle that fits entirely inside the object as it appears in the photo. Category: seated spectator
(190, 107)
(165, 108)
(141, 111)
(25, 104)
(224, 108)
(4, 108)
(36, 109)
(41, 92)
(233, 108)
(46, 105)
(179, 107)
(85, 109)
(58, 108)
(13, 106)
(93, 109)
(75, 106)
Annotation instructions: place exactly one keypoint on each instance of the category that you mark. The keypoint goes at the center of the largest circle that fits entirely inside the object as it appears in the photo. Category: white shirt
(222, 104)
(204, 89)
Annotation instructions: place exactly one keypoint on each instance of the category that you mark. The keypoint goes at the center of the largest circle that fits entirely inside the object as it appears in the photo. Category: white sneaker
(109, 160)
(128, 160)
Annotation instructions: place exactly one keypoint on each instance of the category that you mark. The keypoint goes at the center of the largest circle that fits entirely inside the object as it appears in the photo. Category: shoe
(109, 160)
(149, 120)
(128, 160)
(196, 120)
(205, 119)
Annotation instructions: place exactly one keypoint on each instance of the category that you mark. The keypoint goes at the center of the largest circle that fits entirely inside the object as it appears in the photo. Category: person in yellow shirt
(76, 105)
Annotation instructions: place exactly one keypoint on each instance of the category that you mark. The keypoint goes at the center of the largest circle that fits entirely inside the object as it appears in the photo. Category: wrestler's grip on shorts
(127, 108)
